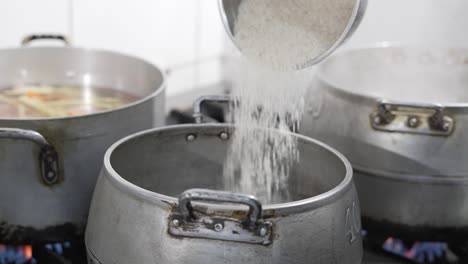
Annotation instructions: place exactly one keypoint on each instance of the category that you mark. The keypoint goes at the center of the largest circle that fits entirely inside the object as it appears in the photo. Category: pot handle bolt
(218, 227)
(191, 137)
(446, 126)
(263, 231)
(413, 122)
(383, 116)
(176, 223)
(377, 120)
(438, 122)
(224, 136)
(48, 156)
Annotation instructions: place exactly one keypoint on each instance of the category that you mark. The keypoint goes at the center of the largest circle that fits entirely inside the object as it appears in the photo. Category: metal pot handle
(255, 207)
(413, 118)
(197, 113)
(48, 157)
(30, 38)
(185, 223)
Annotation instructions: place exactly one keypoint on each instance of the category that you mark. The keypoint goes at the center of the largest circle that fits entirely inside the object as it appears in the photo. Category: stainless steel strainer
(229, 13)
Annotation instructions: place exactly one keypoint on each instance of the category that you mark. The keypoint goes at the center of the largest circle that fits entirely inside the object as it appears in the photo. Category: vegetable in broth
(33, 101)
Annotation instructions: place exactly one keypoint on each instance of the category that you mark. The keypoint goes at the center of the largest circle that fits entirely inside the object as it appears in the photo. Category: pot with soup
(60, 109)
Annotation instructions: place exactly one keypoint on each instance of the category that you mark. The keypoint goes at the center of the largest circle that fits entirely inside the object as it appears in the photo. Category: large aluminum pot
(399, 114)
(49, 166)
(144, 210)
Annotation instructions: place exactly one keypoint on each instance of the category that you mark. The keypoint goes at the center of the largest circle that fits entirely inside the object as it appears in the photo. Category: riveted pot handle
(197, 113)
(202, 195)
(413, 118)
(48, 156)
(30, 38)
(184, 222)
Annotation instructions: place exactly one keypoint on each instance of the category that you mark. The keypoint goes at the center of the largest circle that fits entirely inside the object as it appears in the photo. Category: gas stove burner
(50, 253)
(418, 252)
(396, 251)
(16, 254)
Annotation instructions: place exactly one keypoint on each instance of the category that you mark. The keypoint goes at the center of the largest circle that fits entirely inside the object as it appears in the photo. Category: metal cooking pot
(229, 11)
(49, 166)
(144, 209)
(399, 114)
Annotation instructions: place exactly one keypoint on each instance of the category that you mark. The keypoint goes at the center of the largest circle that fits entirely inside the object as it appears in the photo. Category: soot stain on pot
(272, 214)
(173, 205)
(21, 235)
(381, 227)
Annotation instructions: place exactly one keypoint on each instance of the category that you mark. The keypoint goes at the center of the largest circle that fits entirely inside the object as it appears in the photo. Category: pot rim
(427, 179)
(282, 208)
(373, 100)
(159, 90)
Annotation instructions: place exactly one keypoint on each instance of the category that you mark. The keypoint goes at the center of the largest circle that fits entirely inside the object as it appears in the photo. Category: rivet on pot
(224, 135)
(50, 175)
(446, 126)
(175, 223)
(377, 120)
(413, 122)
(218, 227)
(191, 137)
(263, 231)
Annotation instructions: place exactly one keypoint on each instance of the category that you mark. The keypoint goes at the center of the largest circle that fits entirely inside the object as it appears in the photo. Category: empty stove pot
(400, 115)
(49, 166)
(145, 210)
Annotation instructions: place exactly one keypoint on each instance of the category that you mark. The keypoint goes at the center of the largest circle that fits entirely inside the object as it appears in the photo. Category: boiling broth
(34, 101)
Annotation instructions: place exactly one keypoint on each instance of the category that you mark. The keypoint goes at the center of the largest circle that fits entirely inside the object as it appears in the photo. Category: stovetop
(392, 251)
(66, 253)
(49, 253)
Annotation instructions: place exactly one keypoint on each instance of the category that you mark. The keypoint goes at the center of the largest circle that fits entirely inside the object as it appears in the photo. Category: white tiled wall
(182, 36)
(21, 17)
(414, 21)
(178, 34)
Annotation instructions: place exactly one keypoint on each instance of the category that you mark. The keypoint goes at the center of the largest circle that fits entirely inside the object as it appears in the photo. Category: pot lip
(159, 90)
(373, 100)
(285, 208)
(428, 179)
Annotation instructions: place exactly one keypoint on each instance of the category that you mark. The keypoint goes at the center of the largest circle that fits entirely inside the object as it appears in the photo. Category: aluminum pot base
(17, 235)
(385, 229)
